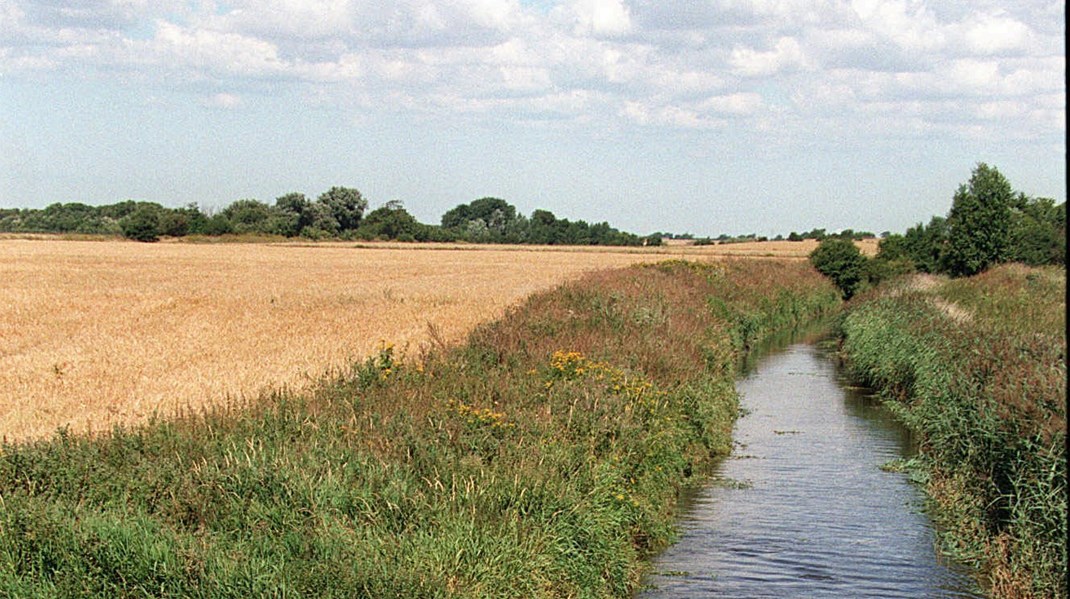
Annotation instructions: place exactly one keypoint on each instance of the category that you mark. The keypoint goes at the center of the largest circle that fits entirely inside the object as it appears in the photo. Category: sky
(699, 116)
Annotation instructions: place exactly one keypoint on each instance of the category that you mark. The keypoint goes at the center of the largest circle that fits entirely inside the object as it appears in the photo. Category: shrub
(143, 224)
(839, 260)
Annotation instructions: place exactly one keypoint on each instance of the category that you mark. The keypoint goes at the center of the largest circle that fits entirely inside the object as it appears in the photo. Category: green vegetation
(988, 224)
(839, 260)
(976, 367)
(978, 226)
(543, 458)
(493, 220)
(338, 213)
(821, 235)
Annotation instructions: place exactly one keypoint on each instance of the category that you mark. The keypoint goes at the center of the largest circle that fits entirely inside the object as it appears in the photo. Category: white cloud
(303, 19)
(670, 116)
(677, 63)
(786, 54)
(739, 104)
(224, 100)
(907, 23)
(972, 75)
(989, 34)
(217, 52)
(601, 18)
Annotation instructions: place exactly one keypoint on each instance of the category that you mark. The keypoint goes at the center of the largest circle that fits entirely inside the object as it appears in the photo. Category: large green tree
(978, 226)
(1038, 231)
(294, 214)
(345, 205)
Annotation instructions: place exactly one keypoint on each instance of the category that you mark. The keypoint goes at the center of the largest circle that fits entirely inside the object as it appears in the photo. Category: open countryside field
(99, 333)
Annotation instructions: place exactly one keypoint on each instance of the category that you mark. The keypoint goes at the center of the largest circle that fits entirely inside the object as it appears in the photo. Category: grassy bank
(977, 368)
(541, 458)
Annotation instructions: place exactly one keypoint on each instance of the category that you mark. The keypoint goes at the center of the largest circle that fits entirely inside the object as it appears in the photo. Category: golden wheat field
(98, 333)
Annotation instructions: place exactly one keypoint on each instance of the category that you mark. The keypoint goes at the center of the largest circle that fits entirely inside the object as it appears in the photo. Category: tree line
(338, 213)
(988, 224)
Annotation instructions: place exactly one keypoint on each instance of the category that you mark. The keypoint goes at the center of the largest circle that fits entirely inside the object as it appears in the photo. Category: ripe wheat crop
(99, 333)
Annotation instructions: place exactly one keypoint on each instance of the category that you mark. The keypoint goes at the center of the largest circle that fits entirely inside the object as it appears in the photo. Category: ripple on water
(817, 516)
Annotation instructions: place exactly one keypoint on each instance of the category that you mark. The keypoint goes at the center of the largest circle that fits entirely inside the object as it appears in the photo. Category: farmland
(542, 457)
(98, 333)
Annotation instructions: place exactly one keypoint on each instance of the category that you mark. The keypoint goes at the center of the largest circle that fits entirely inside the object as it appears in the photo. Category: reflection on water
(814, 516)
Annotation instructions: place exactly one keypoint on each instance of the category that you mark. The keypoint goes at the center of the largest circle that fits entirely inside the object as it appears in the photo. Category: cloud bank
(780, 67)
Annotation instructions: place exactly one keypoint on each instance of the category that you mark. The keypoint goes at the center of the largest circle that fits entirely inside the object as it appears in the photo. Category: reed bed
(977, 368)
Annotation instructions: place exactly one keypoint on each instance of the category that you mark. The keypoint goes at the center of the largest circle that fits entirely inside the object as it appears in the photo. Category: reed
(977, 368)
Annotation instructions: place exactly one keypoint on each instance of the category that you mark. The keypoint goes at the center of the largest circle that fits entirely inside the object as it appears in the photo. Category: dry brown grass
(94, 334)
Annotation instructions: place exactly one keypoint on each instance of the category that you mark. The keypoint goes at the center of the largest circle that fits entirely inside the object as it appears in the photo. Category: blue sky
(716, 116)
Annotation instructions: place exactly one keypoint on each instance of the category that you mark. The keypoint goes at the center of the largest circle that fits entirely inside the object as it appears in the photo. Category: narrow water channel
(802, 508)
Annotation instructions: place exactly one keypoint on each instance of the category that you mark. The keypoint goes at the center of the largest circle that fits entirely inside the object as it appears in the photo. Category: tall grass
(542, 458)
(977, 367)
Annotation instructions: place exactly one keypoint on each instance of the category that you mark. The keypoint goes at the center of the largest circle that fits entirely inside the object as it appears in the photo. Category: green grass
(984, 387)
(542, 458)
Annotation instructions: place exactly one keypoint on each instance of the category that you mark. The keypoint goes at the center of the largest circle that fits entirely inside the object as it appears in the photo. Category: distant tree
(118, 210)
(217, 224)
(322, 223)
(841, 261)
(391, 221)
(173, 223)
(979, 222)
(64, 218)
(543, 228)
(345, 205)
(893, 246)
(142, 224)
(196, 220)
(1038, 231)
(294, 213)
(495, 217)
(892, 259)
(248, 216)
(926, 245)
(10, 220)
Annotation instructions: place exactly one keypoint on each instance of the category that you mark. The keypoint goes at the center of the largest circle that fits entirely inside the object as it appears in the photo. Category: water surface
(802, 508)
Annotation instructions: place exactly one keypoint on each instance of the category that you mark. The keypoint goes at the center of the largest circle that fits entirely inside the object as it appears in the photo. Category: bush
(839, 260)
(143, 224)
